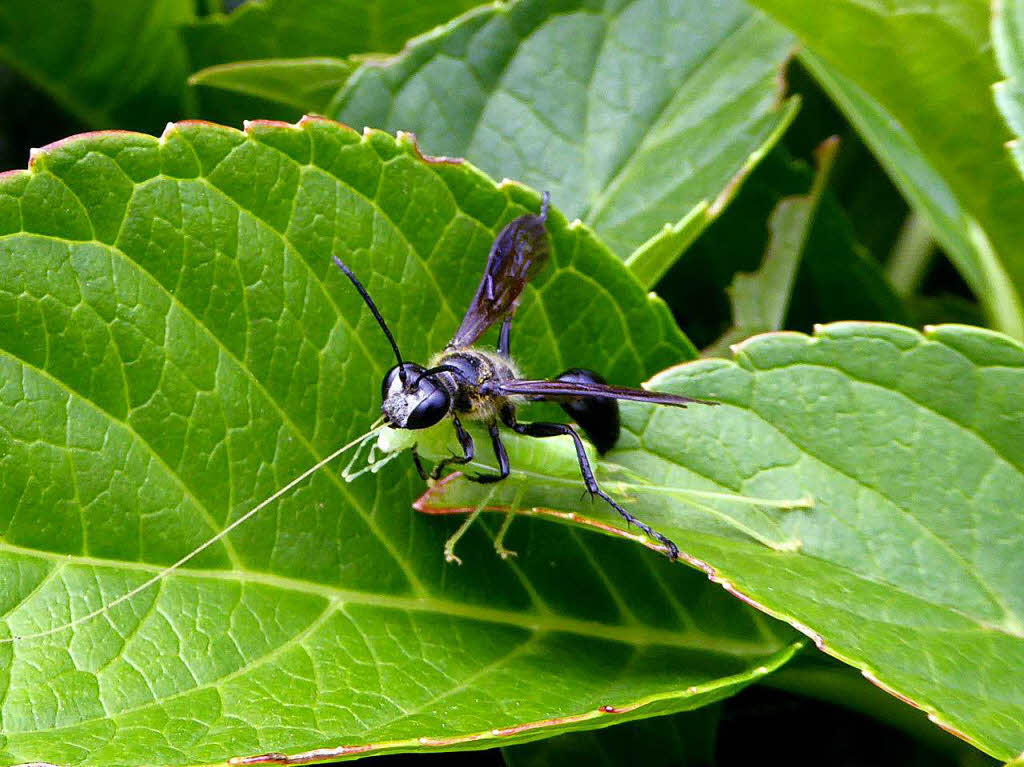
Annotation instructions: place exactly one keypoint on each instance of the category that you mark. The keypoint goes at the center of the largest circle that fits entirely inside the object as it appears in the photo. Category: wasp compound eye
(434, 406)
(412, 372)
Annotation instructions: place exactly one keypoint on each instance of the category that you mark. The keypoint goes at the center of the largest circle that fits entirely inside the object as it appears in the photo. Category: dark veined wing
(561, 390)
(517, 255)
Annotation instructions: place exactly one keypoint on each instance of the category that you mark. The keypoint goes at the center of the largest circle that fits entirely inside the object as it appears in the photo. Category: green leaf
(632, 113)
(837, 278)
(107, 62)
(931, 196)
(912, 447)
(915, 81)
(255, 52)
(305, 84)
(1008, 36)
(760, 299)
(291, 29)
(682, 740)
(175, 345)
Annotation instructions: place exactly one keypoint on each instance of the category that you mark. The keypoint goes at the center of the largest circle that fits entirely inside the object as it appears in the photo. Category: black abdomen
(597, 416)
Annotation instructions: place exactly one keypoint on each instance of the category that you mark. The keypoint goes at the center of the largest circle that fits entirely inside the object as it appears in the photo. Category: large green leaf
(912, 448)
(631, 112)
(1008, 36)
(916, 80)
(107, 62)
(175, 345)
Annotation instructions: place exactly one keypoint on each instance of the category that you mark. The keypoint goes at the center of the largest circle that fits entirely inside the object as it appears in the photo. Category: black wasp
(464, 381)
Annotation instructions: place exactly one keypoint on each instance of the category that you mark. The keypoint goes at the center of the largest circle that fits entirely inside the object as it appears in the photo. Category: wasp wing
(517, 255)
(566, 390)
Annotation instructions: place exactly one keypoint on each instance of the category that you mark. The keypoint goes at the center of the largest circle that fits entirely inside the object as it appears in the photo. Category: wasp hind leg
(541, 429)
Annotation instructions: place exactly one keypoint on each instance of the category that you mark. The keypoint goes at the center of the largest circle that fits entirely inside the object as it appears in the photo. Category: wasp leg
(468, 450)
(503, 340)
(500, 453)
(541, 429)
(419, 464)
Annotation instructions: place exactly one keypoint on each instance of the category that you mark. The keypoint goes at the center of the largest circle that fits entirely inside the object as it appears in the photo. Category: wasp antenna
(544, 200)
(376, 313)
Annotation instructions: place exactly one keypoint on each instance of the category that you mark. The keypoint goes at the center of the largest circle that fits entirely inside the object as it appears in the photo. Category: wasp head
(410, 400)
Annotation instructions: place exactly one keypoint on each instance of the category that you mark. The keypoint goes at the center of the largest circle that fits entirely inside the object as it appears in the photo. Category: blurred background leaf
(256, 34)
(916, 81)
(108, 63)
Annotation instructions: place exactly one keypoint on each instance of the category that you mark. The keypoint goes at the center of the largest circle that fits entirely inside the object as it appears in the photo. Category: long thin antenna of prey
(192, 554)
(373, 308)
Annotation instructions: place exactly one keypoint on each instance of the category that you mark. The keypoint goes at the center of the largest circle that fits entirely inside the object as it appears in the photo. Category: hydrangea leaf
(176, 345)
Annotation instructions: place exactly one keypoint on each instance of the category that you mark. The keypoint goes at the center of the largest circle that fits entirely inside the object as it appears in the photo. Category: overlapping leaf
(908, 565)
(175, 345)
(760, 299)
(631, 113)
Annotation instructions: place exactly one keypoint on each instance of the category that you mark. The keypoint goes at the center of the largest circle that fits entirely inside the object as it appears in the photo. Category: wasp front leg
(500, 453)
(468, 450)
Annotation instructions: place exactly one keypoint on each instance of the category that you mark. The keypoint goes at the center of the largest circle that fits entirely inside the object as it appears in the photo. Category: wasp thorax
(417, 402)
